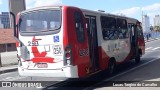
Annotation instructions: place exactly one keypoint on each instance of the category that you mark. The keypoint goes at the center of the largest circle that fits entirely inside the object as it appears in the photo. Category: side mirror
(14, 23)
(15, 28)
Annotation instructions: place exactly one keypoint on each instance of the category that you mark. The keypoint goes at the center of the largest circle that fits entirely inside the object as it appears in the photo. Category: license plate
(42, 65)
(57, 49)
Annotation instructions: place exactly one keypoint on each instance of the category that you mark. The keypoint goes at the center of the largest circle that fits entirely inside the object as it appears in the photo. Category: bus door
(141, 41)
(92, 42)
(134, 39)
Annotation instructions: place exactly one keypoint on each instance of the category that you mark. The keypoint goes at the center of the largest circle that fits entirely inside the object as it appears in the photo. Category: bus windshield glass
(39, 21)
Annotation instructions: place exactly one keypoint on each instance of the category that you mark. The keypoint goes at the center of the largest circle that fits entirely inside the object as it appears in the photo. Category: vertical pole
(0, 61)
(143, 23)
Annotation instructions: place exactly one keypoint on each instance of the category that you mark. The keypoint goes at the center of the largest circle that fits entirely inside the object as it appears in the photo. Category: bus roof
(84, 10)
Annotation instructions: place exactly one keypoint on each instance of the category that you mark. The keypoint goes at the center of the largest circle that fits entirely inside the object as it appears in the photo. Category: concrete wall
(9, 58)
(8, 47)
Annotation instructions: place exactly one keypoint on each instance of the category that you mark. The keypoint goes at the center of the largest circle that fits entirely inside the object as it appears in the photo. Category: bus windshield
(39, 21)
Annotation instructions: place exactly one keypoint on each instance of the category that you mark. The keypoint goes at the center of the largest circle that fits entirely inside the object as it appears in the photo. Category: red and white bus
(66, 41)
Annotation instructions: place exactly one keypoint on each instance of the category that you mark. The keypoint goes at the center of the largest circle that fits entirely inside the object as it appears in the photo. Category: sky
(130, 8)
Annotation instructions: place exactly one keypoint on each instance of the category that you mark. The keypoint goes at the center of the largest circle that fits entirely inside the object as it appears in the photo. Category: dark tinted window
(109, 30)
(79, 27)
(140, 32)
(122, 28)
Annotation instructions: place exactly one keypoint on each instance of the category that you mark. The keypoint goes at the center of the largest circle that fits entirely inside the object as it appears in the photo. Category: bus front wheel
(138, 58)
(111, 67)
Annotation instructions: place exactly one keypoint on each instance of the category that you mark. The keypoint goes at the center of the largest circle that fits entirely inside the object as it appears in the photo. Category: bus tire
(111, 67)
(138, 58)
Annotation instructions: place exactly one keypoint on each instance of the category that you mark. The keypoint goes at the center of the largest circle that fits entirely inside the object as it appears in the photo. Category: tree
(157, 28)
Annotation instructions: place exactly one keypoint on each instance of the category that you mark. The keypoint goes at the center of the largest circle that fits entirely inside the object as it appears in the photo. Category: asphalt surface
(147, 70)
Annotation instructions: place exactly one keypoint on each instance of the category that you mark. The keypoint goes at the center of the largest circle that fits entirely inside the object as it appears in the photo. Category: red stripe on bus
(43, 59)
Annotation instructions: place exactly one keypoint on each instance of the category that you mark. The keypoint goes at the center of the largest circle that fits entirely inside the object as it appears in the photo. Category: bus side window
(122, 28)
(79, 26)
(109, 30)
(140, 32)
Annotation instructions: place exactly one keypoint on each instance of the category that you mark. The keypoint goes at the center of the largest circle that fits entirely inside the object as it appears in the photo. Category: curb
(8, 70)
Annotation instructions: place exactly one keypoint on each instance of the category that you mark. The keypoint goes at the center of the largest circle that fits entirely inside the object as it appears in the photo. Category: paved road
(146, 70)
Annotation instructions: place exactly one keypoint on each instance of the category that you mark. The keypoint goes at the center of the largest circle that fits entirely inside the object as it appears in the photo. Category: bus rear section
(66, 41)
(48, 46)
